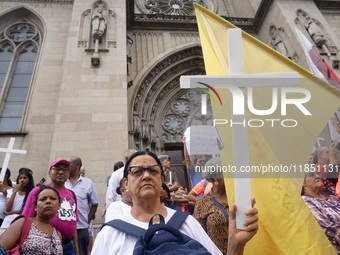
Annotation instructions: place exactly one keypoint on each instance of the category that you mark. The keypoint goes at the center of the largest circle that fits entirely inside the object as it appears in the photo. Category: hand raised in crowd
(238, 238)
(17, 187)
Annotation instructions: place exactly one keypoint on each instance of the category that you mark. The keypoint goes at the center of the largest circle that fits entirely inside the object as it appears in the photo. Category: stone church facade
(93, 78)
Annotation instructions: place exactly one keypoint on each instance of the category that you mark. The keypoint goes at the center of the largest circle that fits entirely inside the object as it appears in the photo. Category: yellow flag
(284, 141)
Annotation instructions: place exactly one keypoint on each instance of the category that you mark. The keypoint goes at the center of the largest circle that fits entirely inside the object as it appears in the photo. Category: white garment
(17, 204)
(116, 210)
(3, 201)
(111, 192)
(112, 241)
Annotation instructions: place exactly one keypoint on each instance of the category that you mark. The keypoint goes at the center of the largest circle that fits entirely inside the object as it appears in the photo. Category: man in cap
(65, 220)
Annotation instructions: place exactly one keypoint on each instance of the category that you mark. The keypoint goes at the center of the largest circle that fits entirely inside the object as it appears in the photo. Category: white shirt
(112, 241)
(116, 210)
(17, 204)
(3, 201)
(111, 193)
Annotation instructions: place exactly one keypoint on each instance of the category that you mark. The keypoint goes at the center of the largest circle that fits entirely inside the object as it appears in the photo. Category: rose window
(172, 7)
(173, 123)
(181, 107)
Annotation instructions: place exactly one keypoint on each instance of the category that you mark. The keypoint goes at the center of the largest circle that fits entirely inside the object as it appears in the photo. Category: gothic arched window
(19, 46)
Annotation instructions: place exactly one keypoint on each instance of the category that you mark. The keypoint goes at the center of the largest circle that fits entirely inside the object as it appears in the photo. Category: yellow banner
(286, 225)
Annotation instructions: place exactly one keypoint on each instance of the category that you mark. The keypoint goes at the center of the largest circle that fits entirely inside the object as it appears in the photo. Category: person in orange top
(203, 187)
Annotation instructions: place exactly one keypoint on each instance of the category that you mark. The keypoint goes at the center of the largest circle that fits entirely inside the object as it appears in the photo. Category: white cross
(8, 151)
(237, 78)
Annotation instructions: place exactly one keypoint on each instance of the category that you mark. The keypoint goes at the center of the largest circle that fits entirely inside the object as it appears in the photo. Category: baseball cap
(59, 161)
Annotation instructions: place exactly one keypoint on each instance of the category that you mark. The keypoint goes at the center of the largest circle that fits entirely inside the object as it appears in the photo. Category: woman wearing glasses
(143, 177)
(325, 208)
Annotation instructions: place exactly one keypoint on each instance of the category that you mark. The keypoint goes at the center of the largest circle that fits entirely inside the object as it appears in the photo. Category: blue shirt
(86, 196)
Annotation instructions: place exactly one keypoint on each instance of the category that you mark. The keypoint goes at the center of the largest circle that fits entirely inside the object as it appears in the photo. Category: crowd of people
(321, 191)
(57, 218)
(143, 179)
(49, 219)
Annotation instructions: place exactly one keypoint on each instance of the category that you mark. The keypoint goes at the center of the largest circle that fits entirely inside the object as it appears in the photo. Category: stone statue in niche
(277, 43)
(315, 32)
(99, 22)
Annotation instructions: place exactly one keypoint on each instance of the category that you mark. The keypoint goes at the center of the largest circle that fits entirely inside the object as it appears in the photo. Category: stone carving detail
(178, 10)
(21, 32)
(277, 42)
(314, 31)
(44, 1)
(136, 124)
(111, 44)
(172, 7)
(330, 13)
(295, 57)
(173, 123)
(163, 66)
(333, 48)
(84, 33)
(181, 107)
(317, 32)
(146, 46)
(97, 30)
(82, 44)
(145, 128)
(99, 21)
(180, 38)
(152, 134)
(160, 94)
(19, 36)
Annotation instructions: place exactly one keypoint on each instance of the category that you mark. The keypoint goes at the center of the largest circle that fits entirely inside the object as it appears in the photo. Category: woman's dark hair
(165, 187)
(140, 153)
(118, 165)
(302, 191)
(26, 170)
(43, 187)
(29, 186)
(121, 185)
(8, 173)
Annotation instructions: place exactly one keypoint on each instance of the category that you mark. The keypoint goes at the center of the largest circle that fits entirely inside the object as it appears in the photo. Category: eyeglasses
(58, 169)
(138, 171)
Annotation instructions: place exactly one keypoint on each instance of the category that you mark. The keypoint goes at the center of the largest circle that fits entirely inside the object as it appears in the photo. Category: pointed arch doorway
(162, 111)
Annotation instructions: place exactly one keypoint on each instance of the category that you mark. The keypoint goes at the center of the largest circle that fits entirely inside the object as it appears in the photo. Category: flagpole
(239, 132)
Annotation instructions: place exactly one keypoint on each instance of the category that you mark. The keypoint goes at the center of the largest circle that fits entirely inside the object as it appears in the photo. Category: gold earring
(216, 183)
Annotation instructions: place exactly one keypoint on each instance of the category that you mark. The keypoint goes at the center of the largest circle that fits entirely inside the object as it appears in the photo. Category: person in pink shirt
(65, 220)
